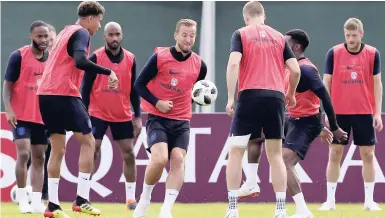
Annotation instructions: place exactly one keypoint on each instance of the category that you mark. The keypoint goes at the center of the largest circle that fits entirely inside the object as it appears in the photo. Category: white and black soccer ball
(14, 194)
(204, 92)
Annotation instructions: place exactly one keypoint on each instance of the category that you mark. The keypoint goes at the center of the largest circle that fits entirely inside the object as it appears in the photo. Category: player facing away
(165, 84)
(353, 79)
(259, 53)
(22, 77)
(61, 106)
(111, 107)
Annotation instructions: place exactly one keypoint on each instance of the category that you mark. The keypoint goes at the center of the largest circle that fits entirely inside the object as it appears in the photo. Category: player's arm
(77, 48)
(377, 83)
(295, 72)
(202, 74)
(149, 71)
(329, 65)
(235, 58)
(315, 84)
(134, 96)
(12, 74)
(87, 83)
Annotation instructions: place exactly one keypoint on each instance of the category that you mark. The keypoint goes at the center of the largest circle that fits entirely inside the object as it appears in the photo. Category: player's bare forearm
(232, 78)
(232, 73)
(378, 93)
(327, 80)
(7, 94)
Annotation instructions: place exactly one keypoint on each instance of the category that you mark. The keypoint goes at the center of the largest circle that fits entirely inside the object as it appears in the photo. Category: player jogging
(22, 77)
(111, 107)
(61, 106)
(165, 84)
(259, 53)
(353, 79)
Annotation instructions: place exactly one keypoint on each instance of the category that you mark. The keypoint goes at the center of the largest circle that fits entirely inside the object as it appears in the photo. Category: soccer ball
(14, 191)
(204, 92)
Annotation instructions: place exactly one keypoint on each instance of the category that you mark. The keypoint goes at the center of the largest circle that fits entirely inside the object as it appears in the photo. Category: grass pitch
(247, 210)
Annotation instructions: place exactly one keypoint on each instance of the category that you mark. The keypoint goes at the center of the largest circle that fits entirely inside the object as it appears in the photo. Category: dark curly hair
(90, 8)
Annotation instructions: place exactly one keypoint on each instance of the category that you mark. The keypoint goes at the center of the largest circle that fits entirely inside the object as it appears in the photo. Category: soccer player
(52, 36)
(111, 107)
(22, 77)
(353, 79)
(304, 123)
(259, 53)
(61, 106)
(165, 84)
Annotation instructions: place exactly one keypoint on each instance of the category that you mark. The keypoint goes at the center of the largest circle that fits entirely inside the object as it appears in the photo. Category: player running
(61, 106)
(165, 84)
(22, 77)
(353, 79)
(259, 53)
(111, 107)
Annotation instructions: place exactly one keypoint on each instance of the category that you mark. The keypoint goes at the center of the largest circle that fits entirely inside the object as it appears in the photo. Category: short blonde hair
(253, 9)
(354, 24)
(185, 22)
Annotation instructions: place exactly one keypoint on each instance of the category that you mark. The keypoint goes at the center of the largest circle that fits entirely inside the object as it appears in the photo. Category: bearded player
(111, 107)
(22, 77)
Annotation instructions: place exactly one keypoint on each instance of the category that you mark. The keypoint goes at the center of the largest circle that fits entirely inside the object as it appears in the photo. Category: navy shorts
(362, 126)
(176, 133)
(119, 130)
(64, 113)
(301, 132)
(28, 130)
(256, 114)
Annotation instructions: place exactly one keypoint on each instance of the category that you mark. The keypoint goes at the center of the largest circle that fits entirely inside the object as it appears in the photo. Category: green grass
(10, 210)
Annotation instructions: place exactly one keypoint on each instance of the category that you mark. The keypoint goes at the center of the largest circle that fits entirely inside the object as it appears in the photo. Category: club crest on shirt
(262, 34)
(174, 82)
(353, 75)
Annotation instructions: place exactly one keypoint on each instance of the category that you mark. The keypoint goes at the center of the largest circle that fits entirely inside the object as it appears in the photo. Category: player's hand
(340, 135)
(377, 122)
(113, 80)
(326, 136)
(230, 107)
(11, 118)
(137, 126)
(164, 106)
(290, 101)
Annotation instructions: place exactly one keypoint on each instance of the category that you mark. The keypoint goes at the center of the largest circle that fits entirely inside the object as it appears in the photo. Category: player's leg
(123, 133)
(54, 116)
(99, 128)
(244, 124)
(365, 138)
(250, 187)
(336, 150)
(39, 143)
(273, 128)
(80, 124)
(301, 133)
(178, 145)
(157, 142)
(21, 135)
(45, 184)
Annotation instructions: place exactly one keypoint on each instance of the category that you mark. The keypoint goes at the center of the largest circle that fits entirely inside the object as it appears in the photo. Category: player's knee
(129, 156)
(177, 160)
(335, 155)
(159, 159)
(367, 156)
(38, 158)
(23, 156)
